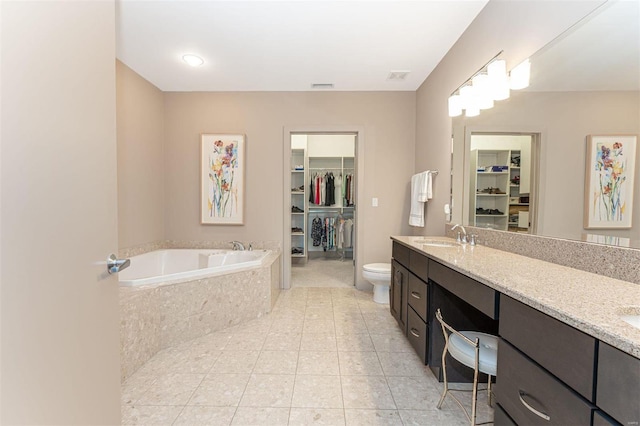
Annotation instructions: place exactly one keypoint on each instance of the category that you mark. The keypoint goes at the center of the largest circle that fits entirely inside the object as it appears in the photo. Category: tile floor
(323, 272)
(324, 356)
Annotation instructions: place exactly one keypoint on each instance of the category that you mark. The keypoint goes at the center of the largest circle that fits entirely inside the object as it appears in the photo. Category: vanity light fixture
(490, 83)
(193, 60)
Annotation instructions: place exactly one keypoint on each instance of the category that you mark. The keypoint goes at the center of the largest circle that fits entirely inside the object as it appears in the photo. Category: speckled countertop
(589, 302)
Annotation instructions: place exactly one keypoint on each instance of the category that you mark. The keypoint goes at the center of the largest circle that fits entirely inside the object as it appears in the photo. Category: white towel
(421, 192)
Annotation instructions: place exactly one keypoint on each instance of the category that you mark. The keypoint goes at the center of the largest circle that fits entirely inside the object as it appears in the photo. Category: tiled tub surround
(616, 262)
(156, 317)
(589, 302)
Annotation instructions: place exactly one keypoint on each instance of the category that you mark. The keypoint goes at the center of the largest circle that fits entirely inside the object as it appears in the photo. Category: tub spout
(237, 245)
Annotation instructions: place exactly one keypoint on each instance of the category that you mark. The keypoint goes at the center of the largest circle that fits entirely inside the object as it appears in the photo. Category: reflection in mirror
(501, 190)
(586, 82)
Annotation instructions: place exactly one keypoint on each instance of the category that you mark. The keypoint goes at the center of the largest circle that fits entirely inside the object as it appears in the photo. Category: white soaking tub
(176, 265)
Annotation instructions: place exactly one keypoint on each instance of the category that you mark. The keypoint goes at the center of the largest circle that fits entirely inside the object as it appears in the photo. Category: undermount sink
(436, 243)
(630, 315)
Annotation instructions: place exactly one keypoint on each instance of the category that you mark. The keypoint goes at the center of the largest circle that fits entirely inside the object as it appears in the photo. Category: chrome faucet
(237, 245)
(461, 239)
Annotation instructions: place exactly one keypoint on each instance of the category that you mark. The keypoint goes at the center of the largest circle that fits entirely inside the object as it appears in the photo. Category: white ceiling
(288, 45)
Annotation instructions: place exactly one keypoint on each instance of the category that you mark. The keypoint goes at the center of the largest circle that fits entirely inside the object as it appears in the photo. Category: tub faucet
(237, 245)
(461, 239)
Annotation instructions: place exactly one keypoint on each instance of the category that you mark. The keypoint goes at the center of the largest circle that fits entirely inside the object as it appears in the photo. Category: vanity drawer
(400, 253)
(567, 353)
(522, 388)
(618, 388)
(417, 334)
(471, 291)
(417, 296)
(419, 265)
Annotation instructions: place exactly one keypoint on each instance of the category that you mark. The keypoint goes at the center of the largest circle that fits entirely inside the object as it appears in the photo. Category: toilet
(378, 274)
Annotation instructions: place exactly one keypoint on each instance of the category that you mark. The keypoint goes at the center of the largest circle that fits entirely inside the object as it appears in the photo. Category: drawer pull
(540, 414)
(414, 332)
(416, 295)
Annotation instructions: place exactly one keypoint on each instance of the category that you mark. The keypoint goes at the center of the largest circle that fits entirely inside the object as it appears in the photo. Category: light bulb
(193, 60)
(519, 76)
(455, 108)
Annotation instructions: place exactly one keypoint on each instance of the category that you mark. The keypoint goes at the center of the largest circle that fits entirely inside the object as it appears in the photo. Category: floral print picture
(222, 179)
(609, 181)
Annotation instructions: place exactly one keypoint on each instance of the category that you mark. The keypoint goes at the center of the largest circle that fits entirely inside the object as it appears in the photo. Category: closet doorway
(321, 222)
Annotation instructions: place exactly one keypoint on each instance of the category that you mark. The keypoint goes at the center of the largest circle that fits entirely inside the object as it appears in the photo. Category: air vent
(322, 85)
(398, 75)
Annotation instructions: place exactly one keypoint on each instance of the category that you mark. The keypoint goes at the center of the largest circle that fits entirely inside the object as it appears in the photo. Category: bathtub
(177, 265)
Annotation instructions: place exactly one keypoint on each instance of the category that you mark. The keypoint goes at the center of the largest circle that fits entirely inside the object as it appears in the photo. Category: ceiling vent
(322, 85)
(398, 75)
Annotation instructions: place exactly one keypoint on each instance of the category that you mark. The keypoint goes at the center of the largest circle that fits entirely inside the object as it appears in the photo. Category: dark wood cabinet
(548, 371)
(471, 291)
(398, 294)
(417, 334)
(618, 386)
(567, 353)
(417, 296)
(530, 395)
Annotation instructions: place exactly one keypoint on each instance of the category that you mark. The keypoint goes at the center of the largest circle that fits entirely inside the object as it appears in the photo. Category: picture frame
(222, 172)
(609, 181)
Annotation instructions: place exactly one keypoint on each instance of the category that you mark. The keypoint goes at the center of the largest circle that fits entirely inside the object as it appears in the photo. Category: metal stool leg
(444, 374)
(489, 395)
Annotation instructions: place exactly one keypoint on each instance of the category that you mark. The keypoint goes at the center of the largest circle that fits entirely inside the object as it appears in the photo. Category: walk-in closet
(323, 203)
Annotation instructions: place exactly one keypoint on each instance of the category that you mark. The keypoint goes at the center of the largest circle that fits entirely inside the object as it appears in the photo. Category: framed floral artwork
(222, 179)
(609, 181)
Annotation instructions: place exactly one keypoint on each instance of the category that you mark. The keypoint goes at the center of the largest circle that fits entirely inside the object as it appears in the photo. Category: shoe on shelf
(480, 210)
(495, 211)
(299, 189)
(296, 250)
(497, 191)
(295, 209)
(297, 230)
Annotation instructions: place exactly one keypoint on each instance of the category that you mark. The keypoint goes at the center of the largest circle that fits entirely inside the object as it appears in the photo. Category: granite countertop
(589, 302)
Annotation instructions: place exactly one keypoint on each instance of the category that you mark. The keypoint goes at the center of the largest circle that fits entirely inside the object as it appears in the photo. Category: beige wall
(564, 119)
(139, 118)
(519, 28)
(388, 120)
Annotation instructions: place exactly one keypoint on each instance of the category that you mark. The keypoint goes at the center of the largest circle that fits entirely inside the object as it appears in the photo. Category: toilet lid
(377, 267)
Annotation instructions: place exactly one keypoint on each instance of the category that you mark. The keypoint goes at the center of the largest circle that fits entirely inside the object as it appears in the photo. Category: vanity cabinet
(409, 296)
(618, 389)
(398, 294)
(544, 340)
(548, 371)
(531, 395)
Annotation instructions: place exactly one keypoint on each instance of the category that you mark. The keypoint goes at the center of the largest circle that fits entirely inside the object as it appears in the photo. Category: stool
(475, 350)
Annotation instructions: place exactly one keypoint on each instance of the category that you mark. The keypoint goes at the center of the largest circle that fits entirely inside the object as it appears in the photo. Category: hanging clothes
(330, 190)
(316, 231)
(348, 229)
(337, 193)
(312, 190)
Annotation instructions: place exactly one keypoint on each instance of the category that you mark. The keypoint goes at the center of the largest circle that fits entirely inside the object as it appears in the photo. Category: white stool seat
(463, 352)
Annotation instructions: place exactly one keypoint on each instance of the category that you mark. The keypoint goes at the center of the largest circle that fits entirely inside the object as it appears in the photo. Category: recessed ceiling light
(193, 60)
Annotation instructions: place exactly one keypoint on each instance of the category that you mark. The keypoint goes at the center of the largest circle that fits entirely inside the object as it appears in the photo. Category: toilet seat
(379, 268)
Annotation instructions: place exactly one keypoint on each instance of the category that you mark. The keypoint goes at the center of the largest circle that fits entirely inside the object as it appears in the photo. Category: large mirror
(586, 82)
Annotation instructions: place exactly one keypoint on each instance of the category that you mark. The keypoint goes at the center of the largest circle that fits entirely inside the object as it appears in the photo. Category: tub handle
(115, 265)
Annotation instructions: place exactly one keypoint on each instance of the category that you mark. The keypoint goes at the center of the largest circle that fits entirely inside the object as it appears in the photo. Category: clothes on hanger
(332, 232)
(322, 188)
